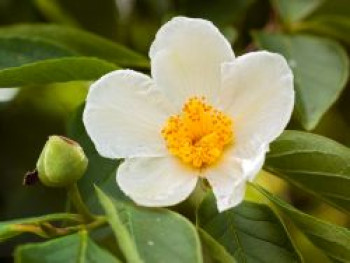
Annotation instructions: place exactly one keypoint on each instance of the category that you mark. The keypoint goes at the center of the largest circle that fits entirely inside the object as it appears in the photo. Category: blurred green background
(29, 115)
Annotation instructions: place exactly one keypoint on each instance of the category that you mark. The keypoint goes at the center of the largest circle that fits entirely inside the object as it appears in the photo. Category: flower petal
(162, 181)
(186, 57)
(229, 176)
(228, 183)
(124, 115)
(257, 91)
(252, 166)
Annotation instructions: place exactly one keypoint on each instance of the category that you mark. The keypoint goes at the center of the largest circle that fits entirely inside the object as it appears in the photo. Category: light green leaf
(124, 238)
(332, 239)
(250, 232)
(159, 235)
(320, 67)
(101, 171)
(12, 228)
(82, 42)
(314, 163)
(55, 70)
(213, 251)
(77, 248)
(295, 10)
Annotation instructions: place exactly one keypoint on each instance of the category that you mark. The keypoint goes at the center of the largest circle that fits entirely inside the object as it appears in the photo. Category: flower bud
(61, 163)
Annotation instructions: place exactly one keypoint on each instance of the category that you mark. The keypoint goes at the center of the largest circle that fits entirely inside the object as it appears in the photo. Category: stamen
(198, 134)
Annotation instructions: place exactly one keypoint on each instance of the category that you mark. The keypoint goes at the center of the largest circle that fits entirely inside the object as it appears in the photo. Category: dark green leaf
(320, 67)
(55, 70)
(82, 42)
(9, 229)
(250, 232)
(314, 163)
(27, 61)
(78, 248)
(159, 235)
(332, 239)
(213, 251)
(15, 52)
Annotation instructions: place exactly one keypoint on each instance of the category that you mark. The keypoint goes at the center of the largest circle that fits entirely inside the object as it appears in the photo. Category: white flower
(203, 114)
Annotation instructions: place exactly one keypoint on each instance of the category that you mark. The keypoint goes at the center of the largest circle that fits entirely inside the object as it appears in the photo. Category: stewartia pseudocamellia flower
(202, 114)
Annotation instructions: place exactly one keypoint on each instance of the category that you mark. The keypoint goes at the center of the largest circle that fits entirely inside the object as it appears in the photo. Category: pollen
(198, 134)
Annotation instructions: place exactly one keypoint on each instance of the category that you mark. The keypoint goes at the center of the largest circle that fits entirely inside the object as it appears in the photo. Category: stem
(78, 203)
(37, 230)
(53, 231)
(47, 230)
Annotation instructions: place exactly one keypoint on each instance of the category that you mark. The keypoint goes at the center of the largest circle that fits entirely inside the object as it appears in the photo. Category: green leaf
(15, 52)
(55, 70)
(35, 61)
(250, 232)
(82, 42)
(332, 239)
(320, 67)
(314, 163)
(295, 10)
(73, 248)
(32, 61)
(158, 235)
(101, 171)
(12, 228)
(213, 251)
(124, 239)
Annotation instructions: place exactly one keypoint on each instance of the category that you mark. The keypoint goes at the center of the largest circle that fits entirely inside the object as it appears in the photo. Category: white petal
(162, 181)
(258, 93)
(252, 166)
(229, 176)
(186, 57)
(124, 115)
(228, 182)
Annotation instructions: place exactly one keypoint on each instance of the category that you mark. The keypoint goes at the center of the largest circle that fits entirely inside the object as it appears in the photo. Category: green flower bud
(61, 163)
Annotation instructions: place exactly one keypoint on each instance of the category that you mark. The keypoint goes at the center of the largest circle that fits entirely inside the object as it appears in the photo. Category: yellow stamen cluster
(198, 134)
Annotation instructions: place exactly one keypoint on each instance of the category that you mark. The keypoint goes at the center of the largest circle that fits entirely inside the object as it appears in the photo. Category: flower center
(198, 134)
